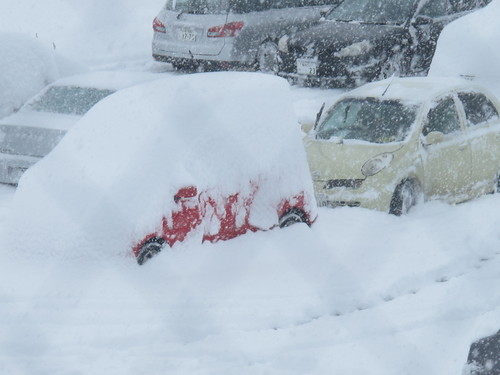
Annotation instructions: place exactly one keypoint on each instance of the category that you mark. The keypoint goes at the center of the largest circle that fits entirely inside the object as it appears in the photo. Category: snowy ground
(360, 292)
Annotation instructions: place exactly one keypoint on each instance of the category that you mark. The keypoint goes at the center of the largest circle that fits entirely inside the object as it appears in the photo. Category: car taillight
(229, 29)
(158, 26)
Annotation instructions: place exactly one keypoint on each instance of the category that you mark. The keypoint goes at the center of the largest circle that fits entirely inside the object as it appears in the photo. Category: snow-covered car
(222, 215)
(484, 356)
(467, 47)
(190, 157)
(33, 131)
(388, 143)
(365, 40)
(223, 33)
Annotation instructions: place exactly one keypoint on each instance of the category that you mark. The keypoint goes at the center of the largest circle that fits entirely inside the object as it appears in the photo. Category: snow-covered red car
(201, 157)
(230, 213)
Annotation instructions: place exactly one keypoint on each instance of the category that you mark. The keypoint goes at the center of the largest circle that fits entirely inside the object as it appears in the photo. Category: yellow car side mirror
(433, 137)
(307, 126)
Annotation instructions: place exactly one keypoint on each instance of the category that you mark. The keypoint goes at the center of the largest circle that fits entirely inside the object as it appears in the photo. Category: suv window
(247, 6)
(442, 118)
(466, 5)
(278, 4)
(478, 108)
(198, 6)
(435, 9)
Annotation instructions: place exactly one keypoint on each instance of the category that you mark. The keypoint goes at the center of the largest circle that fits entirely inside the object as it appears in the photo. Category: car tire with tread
(149, 250)
(406, 195)
(291, 217)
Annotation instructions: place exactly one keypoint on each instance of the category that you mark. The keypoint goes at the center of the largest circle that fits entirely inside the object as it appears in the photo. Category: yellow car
(389, 144)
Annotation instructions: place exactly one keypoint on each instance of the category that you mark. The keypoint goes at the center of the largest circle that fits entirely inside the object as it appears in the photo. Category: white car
(385, 144)
(32, 132)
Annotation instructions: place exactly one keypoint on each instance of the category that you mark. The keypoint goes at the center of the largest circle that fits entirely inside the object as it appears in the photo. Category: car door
(446, 160)
(225, 216)
(483, 127)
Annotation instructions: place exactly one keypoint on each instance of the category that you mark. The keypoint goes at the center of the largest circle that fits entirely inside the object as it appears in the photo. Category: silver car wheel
(268, 58)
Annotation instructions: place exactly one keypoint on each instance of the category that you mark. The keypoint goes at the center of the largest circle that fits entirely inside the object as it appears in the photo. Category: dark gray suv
(230, 33)
(365, 40)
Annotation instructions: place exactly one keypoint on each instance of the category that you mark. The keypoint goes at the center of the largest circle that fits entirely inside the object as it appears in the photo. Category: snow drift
(27, 66)
(114, 175)
(469, 47)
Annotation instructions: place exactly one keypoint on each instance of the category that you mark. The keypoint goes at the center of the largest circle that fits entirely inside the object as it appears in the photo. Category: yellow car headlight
(378, 163)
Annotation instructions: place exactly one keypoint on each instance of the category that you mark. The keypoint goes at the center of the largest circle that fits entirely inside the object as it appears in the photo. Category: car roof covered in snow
(111, 80)
(415, 89)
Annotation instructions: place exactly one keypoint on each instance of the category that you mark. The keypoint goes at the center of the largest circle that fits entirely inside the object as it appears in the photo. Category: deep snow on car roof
(415, 89)
(114, 80)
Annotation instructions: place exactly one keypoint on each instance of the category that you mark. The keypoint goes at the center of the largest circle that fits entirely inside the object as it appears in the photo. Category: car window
(435, 9)
(478, 108)
(374, 11)
(68, 100)
(247, 6)
(198, 6)
(442, 118)
(467, 5)
(370, 119)
(29, 141)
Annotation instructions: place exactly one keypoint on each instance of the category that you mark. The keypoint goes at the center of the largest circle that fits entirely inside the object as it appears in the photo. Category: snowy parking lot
(360, 292)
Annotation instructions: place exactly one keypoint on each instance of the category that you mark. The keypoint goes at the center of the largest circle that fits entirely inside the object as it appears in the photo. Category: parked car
(230, 211)
(229, 33)
(33, 131)
(365, 40)
(484, 356)
(387, 144)
(271, 190)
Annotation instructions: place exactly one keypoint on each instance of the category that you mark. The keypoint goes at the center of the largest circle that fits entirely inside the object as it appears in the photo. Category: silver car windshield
(28, 141)
(370, 120)
(374, 11)
(198, 6)
(69, 100)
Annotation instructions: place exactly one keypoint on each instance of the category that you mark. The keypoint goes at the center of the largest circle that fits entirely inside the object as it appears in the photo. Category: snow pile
(469, 46)
(27, 66)
(87, 31)
(114, 175)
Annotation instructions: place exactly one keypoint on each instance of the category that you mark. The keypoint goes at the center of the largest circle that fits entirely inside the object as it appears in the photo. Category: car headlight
(283, 44)
(356, 49)
(378, 163)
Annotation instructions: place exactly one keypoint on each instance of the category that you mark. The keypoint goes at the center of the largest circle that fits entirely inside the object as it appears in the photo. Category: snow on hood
(114, 175)
(469, 46)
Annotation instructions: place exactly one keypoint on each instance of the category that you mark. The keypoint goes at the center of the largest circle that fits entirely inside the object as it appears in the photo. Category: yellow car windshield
(368, 119)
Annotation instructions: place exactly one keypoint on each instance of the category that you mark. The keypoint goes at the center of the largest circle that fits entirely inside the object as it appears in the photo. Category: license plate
(307, 67)
(187, 35)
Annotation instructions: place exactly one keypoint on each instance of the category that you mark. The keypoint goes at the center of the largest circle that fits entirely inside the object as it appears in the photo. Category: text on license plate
(307, 67)
(187, 35)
